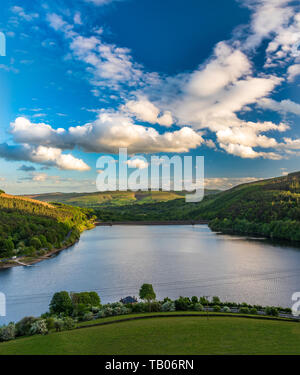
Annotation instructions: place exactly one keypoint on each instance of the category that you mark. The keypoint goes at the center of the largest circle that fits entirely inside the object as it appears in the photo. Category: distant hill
(264, 201)
(114, 198)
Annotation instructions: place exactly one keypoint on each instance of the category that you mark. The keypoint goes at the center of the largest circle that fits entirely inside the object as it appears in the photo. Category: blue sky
(82, 78)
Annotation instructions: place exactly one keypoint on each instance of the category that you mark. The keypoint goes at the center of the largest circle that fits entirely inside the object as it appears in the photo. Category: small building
(129, 299)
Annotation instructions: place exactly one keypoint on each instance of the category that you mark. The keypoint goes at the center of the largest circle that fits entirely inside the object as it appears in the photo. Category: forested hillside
(31, 228)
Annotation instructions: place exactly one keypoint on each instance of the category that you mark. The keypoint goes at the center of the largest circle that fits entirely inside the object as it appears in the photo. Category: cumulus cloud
(42, 155)
(146, 111)
(109, 132)
(293, 71)
(137, 163)
(284, 106)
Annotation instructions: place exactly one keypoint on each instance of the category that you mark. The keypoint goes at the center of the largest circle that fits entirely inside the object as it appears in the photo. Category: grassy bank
(170, 335)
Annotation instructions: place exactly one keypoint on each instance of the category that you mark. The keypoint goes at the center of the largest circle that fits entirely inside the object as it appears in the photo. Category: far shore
(184, 222)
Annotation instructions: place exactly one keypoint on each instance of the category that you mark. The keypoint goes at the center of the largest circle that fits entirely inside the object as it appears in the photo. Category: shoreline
(22, 261)
(35, 260)
(184, 222)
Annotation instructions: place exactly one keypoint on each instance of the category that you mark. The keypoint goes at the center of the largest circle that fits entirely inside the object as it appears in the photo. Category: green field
(168, 335)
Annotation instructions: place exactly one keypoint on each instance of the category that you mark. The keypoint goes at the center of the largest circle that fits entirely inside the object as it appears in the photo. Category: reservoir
(181, 260)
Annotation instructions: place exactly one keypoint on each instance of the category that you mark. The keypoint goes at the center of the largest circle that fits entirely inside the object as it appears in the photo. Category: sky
(82, 78)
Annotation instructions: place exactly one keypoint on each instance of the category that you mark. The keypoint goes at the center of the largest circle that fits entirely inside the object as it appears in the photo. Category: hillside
(170, 335)
(114, 198)
(31, 228)
(270, 208)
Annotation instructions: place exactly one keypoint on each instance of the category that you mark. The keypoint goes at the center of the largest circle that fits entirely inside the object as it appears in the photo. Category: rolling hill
(114, 198)
(172, 335)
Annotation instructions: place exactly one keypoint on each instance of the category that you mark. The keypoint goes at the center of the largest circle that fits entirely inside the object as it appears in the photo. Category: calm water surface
(177, 260)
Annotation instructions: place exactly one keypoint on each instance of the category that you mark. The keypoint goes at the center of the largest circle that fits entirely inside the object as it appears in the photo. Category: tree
(61, 303)
(35, 242)
(147, 293)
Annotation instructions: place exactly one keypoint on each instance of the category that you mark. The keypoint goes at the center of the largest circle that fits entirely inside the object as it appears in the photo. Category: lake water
(177, 260)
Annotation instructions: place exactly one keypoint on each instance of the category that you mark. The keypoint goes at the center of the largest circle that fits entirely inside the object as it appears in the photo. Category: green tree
(35, 242)
(147, 294)
(61, 303)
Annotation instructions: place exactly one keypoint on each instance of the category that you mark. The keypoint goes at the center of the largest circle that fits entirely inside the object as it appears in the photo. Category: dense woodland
(32, 228)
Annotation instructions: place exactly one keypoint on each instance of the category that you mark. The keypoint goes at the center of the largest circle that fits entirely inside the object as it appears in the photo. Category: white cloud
(212, 97)
(293, 72)
(77, 18)
(106, 134)
(42, 155)
(107, 64)
(137, 163)
(146, 111)
(100, 2)
(224, 183)
(268, 17)
(284, 106)
(21, 13)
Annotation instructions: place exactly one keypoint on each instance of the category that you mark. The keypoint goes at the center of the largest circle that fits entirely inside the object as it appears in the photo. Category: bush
(8, 332)
(58, 325)
(226, 309)
(101, 314)
(153, 306)
(217, 308)
(95, 309)
(88, 316)
(117, 311)
(198, 307)
(138, 307)
(244, 310)
(168, 306)
(39, 327)
(253, 311)
(108, 311)
(86, 298)
(116, 304)
(182, 304)
(50, 322)
(23, 327)
(271, 310)
(125, 310)
(68, 323)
